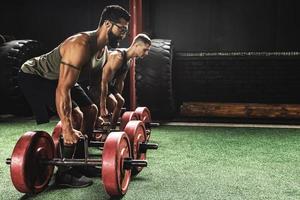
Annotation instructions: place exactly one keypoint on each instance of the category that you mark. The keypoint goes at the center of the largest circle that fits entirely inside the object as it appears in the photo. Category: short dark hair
(142, 38)
(114, 13)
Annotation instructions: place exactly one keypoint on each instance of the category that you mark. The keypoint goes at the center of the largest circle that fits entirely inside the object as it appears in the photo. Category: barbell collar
(144, 146)
(130, 163)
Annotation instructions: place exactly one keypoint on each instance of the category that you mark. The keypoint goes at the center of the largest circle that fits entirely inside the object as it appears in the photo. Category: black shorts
(40, 94)
(112, 89)
(93, 91)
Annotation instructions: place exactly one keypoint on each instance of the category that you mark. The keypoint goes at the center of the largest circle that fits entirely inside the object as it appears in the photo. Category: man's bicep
(68, 76)
(74, 57)
(75, 53)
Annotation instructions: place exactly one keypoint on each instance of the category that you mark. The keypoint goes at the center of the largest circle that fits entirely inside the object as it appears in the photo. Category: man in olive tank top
(49, 83)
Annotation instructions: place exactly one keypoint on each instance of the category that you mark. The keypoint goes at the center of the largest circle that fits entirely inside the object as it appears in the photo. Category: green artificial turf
(191, 163)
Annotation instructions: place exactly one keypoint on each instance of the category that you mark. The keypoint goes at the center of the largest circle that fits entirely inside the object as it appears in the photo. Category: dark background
(50, 22)
(193, 25)
(227, 25)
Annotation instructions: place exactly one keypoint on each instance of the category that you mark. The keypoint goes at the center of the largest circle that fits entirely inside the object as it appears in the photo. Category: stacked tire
(12, 55)
(154, 88)
(6, 38)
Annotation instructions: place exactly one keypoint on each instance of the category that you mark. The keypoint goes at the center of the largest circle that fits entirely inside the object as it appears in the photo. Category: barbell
(136, 132)
(33, 160)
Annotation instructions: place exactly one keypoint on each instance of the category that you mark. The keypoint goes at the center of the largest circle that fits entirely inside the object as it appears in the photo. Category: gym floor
(192, 162)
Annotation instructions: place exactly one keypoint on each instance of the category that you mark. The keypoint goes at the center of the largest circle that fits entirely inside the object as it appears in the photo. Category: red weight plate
(115, 178)
(126, 117)
(57, 131)
(136, 132)
(27, 174)
(144, 115)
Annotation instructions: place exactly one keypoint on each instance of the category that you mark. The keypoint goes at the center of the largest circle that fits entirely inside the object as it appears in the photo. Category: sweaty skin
(74, 51)
(114, 62)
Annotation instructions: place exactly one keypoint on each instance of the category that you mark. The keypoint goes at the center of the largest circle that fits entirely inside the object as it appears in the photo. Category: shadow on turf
(95, 187)
(138, 179)
(97, 190)
(48, 189)
(29, 196)
(26, 196)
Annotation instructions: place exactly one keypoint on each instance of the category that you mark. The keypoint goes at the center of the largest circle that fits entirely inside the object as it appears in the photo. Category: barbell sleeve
(144, 146)
(130, 163)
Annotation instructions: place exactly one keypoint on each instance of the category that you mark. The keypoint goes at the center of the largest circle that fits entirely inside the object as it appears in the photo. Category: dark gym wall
(194, 25)
(226, 25)
(50, 22)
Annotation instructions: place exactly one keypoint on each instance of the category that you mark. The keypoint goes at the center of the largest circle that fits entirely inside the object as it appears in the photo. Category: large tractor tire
(154, 88)
(6, 38)
(12, 55)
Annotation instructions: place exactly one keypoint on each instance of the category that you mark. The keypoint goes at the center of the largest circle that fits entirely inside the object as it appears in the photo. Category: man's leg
(88, 108)
(89, 118)
(117, 110)
(71, 176)
(94, 94)
(77, 117)
(89, 115)
(38, 92)
(111, 103)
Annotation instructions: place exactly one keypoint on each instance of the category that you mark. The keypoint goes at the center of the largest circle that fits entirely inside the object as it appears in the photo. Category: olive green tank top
(47, 65)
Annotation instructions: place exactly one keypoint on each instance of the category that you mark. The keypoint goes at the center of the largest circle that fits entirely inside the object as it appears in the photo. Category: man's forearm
(64, 109)
(104, 91)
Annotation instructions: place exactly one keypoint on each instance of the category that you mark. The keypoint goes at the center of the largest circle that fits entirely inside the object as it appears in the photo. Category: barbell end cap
(144, 146)
(8, 161)
(130, 163)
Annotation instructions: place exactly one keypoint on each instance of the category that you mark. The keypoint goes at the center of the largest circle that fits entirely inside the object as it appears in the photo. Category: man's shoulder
(116, 55)
(77, 40)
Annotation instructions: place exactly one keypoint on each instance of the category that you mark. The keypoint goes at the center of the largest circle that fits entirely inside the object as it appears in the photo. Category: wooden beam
(240, 110)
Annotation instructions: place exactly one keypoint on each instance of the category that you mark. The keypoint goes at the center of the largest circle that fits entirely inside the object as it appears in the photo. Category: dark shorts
(94, 93)
(112, 89)
(40, 94)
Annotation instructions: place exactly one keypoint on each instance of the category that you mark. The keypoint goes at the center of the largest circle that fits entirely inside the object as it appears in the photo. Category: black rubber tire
(154, 79)
(12, 55)
(6, 38)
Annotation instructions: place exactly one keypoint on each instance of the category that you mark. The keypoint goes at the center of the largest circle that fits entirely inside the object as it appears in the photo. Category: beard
(113, 40)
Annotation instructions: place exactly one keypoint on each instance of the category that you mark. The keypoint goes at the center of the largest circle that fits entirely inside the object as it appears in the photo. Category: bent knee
(90, 110)
(120, 101)
(77, 117)
(77, 114)
(114, 103)
(93, 110)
